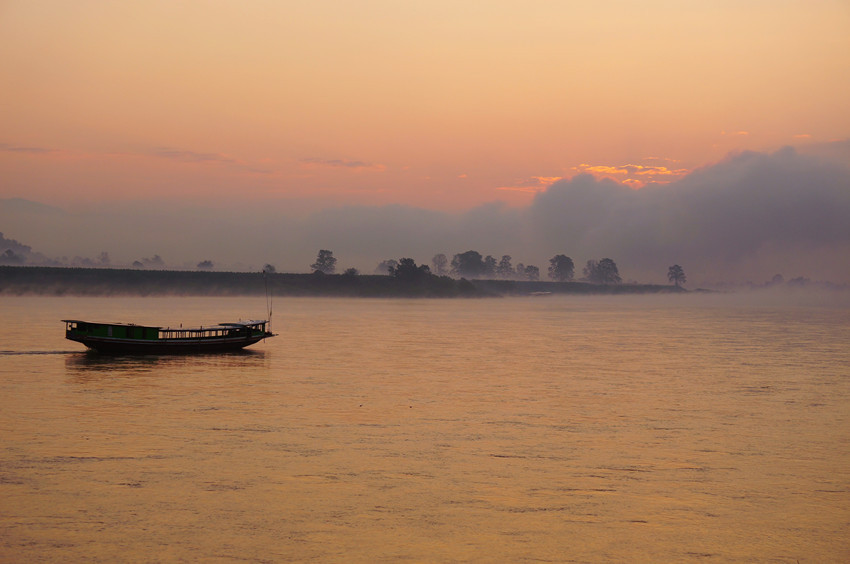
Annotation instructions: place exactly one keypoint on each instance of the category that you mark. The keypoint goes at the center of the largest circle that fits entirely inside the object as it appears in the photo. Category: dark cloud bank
(746, 218)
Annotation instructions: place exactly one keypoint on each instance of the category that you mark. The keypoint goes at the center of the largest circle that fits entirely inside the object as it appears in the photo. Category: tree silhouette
(676, 275)
(608, 272)
(561, 268)
(532, 273)
(325, 262)
(603, 272)
(505, 269)
(489, 267)
(407, 271)
(468, 265)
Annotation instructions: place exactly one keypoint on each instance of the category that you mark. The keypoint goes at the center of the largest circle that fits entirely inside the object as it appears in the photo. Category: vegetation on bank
(403, 277)
(405, 280)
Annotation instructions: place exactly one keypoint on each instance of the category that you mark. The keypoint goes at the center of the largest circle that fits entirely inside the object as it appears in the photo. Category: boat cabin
(110, 330)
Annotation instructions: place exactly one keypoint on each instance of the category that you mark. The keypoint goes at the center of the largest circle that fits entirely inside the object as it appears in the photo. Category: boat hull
(172, 346)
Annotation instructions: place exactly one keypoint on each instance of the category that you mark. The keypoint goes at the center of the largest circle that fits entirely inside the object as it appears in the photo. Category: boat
(128, 338)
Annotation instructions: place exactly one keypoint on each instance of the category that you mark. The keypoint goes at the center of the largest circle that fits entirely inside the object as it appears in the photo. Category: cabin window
(109, 332)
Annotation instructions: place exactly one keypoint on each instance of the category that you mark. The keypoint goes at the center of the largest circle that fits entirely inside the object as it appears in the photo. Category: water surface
(556, 429)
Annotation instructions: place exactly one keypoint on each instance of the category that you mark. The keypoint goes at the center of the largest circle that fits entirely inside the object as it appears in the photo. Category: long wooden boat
(127, 338)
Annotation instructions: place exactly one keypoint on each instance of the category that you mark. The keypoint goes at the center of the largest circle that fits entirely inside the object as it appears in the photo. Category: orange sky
(443, 105)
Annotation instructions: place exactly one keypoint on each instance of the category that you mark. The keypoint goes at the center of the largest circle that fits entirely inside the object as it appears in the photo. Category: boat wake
(23, 353)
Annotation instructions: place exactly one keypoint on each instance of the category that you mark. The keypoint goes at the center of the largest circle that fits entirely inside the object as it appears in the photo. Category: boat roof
(249, 323)
(244, 323)
(110, 323)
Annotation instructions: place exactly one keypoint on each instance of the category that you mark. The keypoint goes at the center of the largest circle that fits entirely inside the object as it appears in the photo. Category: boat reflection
(90, 363)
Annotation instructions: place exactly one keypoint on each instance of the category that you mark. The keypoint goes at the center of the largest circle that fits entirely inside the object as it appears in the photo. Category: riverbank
(53, 281)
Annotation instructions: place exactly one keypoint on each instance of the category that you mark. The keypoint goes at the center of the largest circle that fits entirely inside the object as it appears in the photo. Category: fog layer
(748, 217)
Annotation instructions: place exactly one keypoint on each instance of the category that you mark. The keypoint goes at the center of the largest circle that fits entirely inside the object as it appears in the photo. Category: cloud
(747, 217)
(634, 175)
(186, 156)
(7, 148)
(178, 155)
(730, 219)
(533, 184)
(341, 163)
(190, 156)
(837, 151)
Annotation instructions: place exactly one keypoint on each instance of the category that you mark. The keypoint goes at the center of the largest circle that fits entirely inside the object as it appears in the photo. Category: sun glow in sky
(441, 104)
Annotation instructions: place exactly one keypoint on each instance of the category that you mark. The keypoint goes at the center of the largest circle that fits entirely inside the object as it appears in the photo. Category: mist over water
(662, 428)
(744, 219)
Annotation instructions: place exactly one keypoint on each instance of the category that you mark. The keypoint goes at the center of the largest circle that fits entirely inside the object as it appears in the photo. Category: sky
(382, 129)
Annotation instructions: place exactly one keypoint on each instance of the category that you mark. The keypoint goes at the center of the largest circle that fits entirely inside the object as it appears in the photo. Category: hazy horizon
(747, 218)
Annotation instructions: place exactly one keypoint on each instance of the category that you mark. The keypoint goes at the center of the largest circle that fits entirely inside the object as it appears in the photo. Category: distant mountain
(26, 206)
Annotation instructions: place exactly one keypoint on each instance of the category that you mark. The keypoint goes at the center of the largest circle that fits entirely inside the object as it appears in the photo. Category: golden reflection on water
(558, 429)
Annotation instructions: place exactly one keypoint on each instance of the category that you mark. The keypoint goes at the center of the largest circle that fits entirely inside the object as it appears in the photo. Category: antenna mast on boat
(268, 298)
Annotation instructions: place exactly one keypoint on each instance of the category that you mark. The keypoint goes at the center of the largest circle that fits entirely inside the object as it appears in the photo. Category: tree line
(472, 265)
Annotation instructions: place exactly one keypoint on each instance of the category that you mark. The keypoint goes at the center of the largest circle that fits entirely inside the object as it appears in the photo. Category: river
(542, 429)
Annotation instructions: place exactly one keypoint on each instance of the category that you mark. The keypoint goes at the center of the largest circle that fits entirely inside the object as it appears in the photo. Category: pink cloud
(634, 175)
(533, 184)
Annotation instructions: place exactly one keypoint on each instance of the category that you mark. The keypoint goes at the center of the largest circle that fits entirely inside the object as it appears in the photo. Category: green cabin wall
(119, 331)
